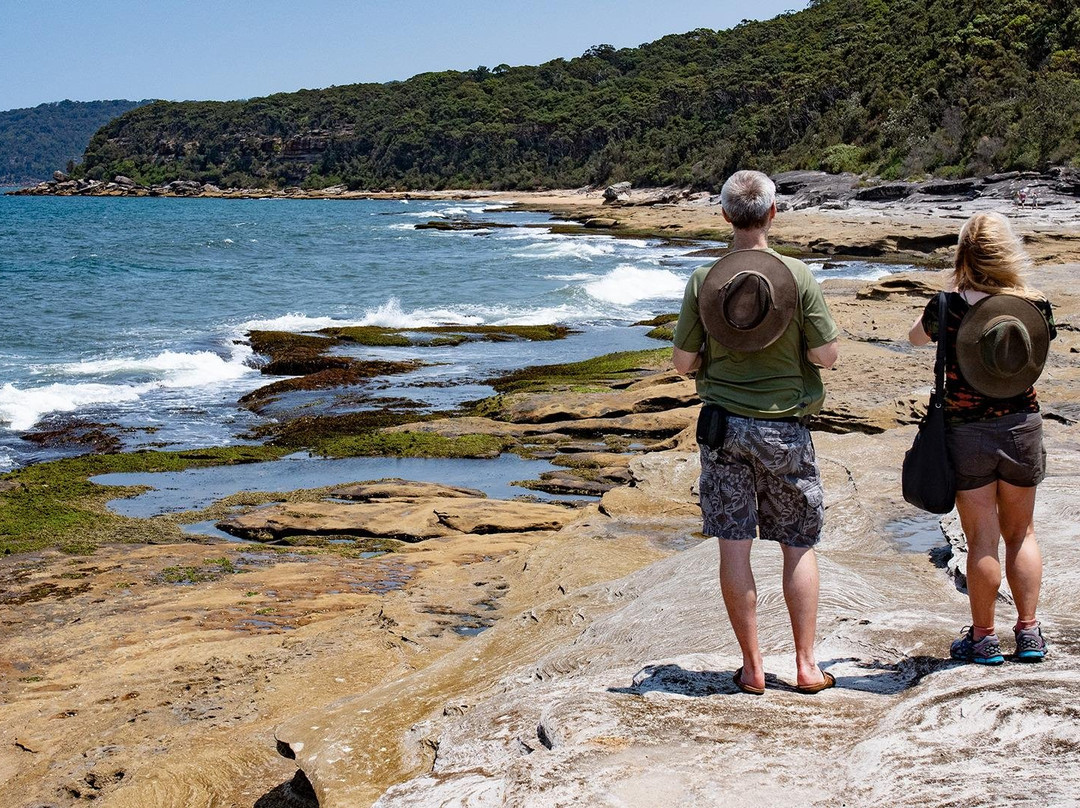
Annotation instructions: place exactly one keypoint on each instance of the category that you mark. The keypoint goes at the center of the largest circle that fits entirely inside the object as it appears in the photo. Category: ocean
(133, 312)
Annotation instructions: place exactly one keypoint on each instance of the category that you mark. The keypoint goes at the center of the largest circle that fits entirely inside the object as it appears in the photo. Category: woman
(995, 429)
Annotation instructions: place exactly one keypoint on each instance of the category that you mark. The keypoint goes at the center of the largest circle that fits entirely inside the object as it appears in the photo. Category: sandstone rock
(578, 406)
(396, 488)
(406, 521)
(500, 516)
(897, 285)
(59, 176)
(124, 182)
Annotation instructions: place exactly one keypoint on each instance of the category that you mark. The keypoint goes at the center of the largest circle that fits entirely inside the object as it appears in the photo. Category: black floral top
(963, 403)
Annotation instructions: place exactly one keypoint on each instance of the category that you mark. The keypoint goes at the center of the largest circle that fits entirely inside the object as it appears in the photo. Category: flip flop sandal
(745, 688)
(824, 684)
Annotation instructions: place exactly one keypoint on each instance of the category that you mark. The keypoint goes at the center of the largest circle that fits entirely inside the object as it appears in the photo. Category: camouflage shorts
(763, 481)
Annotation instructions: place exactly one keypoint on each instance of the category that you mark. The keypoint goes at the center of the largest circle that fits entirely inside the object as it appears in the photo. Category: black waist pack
(711, 426)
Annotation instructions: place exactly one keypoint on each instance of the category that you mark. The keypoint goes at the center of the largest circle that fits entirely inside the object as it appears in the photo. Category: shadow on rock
(672, 678)
(297, 793)
(869, 676)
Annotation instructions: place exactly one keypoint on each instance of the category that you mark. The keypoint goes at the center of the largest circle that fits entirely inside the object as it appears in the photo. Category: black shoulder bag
(928, 479)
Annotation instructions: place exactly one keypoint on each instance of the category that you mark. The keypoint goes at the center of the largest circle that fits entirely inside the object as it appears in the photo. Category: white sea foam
(21, 409)
(169, 368)
(402, 226)
(391, 315)
(627, 284)
(427, 214)
(293, 322)
(567, 248)
(459, 212)
(7, 459)
(576, 276)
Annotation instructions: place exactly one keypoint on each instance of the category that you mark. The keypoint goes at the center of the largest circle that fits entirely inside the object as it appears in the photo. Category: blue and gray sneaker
(1030, 645)
(986, 651)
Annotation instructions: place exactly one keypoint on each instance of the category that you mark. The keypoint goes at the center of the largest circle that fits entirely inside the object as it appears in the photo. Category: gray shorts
(1008, 448)
(763, 482)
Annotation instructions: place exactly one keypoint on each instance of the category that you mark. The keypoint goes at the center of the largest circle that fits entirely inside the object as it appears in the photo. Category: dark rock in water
(76, 434)
(871, 249)
(885, 193)
(926, 243)
(460, 225)
(352, 373)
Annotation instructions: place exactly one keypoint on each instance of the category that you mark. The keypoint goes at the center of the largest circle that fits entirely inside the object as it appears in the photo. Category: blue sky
(88, 50)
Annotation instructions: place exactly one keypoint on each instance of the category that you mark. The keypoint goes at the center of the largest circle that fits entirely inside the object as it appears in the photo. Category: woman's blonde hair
(990, 257)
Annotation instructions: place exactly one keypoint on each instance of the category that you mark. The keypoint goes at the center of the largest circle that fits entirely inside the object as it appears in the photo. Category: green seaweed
(660, 319)
(56, 505)
(662, 332)
(608, 368)
(372, 335)
(412, 444)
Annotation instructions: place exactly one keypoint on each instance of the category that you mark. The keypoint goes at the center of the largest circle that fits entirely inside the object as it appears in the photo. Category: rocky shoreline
(512, 653)
(833, 215)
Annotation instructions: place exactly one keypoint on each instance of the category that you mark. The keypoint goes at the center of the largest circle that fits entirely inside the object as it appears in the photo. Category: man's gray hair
(746, 198)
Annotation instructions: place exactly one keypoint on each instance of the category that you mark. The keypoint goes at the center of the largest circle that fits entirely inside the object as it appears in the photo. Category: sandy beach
(217, 674)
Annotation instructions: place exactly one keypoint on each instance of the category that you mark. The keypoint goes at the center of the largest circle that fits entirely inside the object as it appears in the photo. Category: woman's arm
(917, 335)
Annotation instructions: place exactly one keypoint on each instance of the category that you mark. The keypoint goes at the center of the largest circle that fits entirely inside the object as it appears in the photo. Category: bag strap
(938, 399)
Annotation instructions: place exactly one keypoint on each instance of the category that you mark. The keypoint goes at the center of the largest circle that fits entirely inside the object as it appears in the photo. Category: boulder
(617, 192)
(124, 182)
(59, 176)
(601, 223)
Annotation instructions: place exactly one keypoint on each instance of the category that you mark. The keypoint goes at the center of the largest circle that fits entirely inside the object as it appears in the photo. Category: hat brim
(711, 304)
(969, 356)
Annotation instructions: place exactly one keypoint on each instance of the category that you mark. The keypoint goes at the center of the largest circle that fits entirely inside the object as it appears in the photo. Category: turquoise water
(133, 311)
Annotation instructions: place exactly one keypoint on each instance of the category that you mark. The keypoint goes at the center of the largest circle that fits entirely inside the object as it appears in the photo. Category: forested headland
(894, 88)
(36, 141)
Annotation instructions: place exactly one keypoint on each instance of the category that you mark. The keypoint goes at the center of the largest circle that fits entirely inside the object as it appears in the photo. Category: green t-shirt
(775, 382)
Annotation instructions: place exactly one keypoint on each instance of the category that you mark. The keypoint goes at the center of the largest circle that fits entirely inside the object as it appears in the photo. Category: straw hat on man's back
(747, 300)
(1002, 344)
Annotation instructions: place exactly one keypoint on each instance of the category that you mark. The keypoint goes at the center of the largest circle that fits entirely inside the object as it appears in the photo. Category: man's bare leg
(740, 597)
(801, 597)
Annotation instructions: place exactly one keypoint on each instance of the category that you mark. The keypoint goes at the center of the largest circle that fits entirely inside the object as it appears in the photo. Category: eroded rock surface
(413, 519)
(622, 690)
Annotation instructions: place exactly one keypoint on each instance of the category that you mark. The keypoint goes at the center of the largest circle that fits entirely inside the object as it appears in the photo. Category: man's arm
(824, 356)
(686, 362)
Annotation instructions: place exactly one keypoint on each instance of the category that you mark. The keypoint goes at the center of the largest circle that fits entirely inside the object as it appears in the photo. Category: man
(756, 330)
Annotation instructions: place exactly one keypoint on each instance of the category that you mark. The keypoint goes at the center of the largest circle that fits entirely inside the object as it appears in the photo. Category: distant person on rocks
(997, 336)
(755, 329)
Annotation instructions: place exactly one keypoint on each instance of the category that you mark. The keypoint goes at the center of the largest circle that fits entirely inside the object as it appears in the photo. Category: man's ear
(772, 211)
(726, 217)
